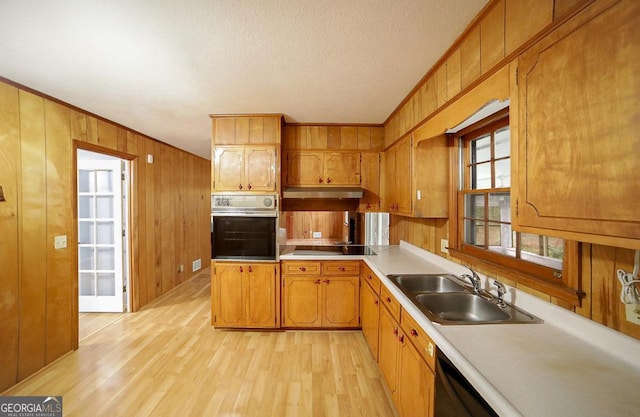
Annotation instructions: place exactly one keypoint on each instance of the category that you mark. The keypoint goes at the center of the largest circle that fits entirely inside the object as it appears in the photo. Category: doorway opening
(103, 249)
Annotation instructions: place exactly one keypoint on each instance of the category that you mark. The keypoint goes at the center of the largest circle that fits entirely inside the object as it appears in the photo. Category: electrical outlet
(316, 235)
(181, 268)
(60, 242)
(633, 313)
(444, 246)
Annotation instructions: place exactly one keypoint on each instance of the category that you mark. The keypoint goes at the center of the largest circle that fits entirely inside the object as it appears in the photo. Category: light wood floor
(167, 360)
(91, 323)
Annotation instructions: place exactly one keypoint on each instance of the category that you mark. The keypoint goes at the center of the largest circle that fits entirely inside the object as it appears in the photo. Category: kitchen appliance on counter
(244, 227)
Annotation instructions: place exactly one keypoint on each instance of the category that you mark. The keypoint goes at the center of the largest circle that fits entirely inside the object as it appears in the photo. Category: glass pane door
(100, 254)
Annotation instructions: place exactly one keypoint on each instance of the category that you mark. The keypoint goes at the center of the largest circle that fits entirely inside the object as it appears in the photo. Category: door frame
(132, 240)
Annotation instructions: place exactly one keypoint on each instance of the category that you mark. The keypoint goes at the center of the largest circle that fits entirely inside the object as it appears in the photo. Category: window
(484, 207)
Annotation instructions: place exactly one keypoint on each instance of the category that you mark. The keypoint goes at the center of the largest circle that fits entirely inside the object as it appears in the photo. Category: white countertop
(568, 366)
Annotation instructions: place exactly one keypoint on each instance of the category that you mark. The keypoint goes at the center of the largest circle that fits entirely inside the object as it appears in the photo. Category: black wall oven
(244, 227)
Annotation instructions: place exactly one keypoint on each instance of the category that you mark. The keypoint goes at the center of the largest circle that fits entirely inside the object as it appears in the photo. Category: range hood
(323, 192)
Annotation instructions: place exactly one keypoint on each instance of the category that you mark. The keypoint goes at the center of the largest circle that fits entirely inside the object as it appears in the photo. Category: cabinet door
(370, 181)
(341, 301)
(305, 168)
(260, 168)
(342, 168)
(390, 179)
(228, 306)
(577, 142)
(431, 173)
(369, 316)
(388, 348)
(228, 169)
(415, 383)
(261, 300)
(301, 305)
(403, 176)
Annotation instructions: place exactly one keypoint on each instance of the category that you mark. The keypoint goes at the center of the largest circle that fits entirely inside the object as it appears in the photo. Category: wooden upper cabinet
(370, 181)
(431, 174)
(577, 145)
(398, 177)
(246, 129)
(523, 19)
(319, 168)
(245, 168)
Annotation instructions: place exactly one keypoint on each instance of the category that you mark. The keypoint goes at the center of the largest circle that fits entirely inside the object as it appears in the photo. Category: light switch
(60, 242)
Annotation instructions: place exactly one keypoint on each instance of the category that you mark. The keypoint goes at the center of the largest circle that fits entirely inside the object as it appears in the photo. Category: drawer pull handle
(241, 269)
(414, 332)
(250, 269)
(326, 281)
(249, 186)
(341, 268)
(369, 277)
(302, 268)
(395, 331)
(239, 186)
(388, 299)
(401, 338)
(317, 282)
(375, 302)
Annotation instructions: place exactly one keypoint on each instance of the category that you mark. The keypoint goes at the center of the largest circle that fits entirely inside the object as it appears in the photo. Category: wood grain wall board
(92, 130)
(167, 216)
(470, 57)
(137, 230)
(288, 137)
(121, 139)
(318, 137)
(333, 137)
(242, 130)
(377, 139)
(151, 196)
(32, 216)
(132, 144)
(256, 130)
(9, 244)
(107, 135)
(602, 283)
(492, 48)
(562, 7)
(454, 81)
(441, 85)
(78, 125)
(364, 138)
(417, 107)
(429, 97)
(348, 137)
(157, 221)
(523, 19)
(61, 264)
(271, 129)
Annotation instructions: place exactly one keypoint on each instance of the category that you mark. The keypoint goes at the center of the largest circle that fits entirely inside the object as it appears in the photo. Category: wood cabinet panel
(340, 268)
(342, 168)
(244, 295)
(369, 315)
(431, 174)
(260, 168)
(341, 301)
(523, 19)
(9, 284)
(470, 57)
(371, 278)
(390, 302)
(323, 168)
(415, 387)
(398, 181)
(429, 97)
(244, 168)
(388, 349)
(301, 302)
(575, 176)
(423, 343)
(348, 137)
(246, 129)
(305, 168)
(370, 181)
(301, 267)
(492, 37)
(441, 85)
(454, 81)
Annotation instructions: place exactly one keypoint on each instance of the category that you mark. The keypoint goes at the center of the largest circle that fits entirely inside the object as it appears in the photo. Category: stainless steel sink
(439, 283)
(462, 307)
(447, 300)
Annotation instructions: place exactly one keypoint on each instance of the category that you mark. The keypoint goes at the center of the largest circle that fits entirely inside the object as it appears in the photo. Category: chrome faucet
(475, 280)
(501, 292)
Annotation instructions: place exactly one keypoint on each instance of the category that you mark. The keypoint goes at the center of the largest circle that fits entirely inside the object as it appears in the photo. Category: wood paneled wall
(333, 137)
(38, 284)
(302, 224)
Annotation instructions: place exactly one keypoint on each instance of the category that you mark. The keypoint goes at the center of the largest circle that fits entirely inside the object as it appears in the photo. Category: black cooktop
(333, 250)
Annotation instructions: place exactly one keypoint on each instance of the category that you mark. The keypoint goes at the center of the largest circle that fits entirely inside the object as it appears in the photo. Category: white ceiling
(162, 66)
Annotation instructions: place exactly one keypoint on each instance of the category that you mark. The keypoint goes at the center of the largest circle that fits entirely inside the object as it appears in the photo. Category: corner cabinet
(320, 294)
(245, 295)
(576, 142)
(245, 168)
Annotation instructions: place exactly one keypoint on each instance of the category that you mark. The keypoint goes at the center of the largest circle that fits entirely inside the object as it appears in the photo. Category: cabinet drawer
(387, 299)
(371, 278)
(347, 268)
(420, 339)
(300, 268)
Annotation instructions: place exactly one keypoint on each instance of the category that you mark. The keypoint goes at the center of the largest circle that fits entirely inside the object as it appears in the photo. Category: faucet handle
(501, 292)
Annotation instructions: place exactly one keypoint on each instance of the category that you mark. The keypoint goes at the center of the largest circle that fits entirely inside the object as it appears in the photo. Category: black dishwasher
(455, 396)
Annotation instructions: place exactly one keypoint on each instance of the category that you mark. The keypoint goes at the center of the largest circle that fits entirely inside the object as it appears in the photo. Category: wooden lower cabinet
(321, 297)
(408, 376)
(369, 316)
(245, 295)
